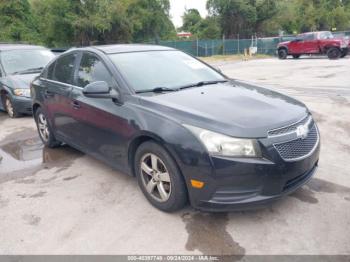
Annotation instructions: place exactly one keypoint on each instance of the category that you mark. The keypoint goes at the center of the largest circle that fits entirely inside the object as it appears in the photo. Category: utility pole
(212, 47)
(223, 44)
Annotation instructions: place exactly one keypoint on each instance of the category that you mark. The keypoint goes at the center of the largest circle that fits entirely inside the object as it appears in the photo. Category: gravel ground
(64, 202)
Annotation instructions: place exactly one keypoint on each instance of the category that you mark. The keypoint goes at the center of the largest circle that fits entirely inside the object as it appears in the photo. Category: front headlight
(222, 145)
(22, 92)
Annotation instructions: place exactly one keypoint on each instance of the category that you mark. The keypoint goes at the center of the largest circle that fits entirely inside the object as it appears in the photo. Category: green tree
(66, 22)
(150, 20)
(313, 15)
(209, 28)
(16, 21)
(53, 19)
(266, 11)
(236, 16)
(191, 20)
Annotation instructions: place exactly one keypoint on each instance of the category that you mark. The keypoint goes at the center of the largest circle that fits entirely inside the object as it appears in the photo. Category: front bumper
(239, 184)
(22, 105)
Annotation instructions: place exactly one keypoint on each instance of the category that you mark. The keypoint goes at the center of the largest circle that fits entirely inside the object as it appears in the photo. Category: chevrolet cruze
(187, 132)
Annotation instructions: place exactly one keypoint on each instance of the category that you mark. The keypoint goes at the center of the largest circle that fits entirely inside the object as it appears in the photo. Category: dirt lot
(63, 202)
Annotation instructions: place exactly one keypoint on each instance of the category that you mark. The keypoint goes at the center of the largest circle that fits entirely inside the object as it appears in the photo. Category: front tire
(159, 177)
(10, 109)
(282, 53)
(45, 132)
(334, 53)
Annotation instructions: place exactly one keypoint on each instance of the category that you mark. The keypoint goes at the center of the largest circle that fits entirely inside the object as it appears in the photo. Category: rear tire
(334, 53)
(45, 132)
(296, 56)
(159, 177)
(282, 53)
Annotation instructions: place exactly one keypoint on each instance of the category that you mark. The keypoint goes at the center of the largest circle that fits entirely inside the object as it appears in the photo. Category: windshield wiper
(158, 90)
(30, 70)
(203, 83)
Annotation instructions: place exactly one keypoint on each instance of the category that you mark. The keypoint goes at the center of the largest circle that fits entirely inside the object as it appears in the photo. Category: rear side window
(91, 69)
(62, 70)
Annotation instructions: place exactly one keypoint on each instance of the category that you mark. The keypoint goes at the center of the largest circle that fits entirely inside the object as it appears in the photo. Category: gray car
(19, 65)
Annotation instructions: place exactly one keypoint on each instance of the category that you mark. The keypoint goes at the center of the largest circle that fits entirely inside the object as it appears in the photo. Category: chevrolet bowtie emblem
(302, 131)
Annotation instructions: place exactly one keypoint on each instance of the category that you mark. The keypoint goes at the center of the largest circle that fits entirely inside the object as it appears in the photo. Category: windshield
(326, 35)
(166, 69)
(17, 61)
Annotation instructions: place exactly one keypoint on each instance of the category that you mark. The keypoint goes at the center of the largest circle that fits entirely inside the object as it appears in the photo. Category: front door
(103, 129)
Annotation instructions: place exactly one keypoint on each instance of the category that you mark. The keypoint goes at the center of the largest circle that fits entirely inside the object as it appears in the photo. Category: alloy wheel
(9, 107)
(282, 54)
(334, 53)
(155, 177)
(43, 127)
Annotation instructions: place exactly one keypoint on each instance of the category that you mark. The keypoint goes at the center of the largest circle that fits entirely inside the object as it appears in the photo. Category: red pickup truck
(317, 43)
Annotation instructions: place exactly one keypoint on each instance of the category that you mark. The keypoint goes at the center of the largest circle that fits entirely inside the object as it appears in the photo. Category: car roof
(317, 32)
(129, 48)
(309, 33)
(9, 47)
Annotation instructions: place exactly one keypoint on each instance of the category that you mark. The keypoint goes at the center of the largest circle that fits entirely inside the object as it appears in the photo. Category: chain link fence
(205, 48)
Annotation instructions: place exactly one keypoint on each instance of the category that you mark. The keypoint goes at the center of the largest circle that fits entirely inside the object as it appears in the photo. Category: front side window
(62, 70)
(169, 69)
(309, 37)
(91, 70)
(25, 61)
(48, 73)
(306, 37)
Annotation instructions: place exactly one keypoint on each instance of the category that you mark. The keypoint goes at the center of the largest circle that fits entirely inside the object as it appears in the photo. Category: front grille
(299, 148)
(291, 128)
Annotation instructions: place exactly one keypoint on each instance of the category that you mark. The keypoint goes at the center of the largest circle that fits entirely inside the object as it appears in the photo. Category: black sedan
(19, 65)
(187, 132)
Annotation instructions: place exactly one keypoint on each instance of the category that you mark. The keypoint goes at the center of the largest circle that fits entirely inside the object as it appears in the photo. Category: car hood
(236, 109)
(18, 81)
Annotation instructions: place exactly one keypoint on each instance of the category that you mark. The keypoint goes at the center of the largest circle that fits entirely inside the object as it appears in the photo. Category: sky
(177, 8)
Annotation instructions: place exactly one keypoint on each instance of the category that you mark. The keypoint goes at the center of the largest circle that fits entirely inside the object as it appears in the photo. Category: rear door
(101, 123)
(57, 89)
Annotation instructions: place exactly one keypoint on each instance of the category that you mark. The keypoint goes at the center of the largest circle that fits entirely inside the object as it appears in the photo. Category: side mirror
(100, 89)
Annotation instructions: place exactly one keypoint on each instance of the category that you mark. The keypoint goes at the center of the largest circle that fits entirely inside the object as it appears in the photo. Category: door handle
(48, 94)
(76, 105)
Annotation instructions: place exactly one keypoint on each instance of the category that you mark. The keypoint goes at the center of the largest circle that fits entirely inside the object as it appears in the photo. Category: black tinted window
(91, 69)
(64, 68)
(49, 71)
(309, 37)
